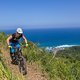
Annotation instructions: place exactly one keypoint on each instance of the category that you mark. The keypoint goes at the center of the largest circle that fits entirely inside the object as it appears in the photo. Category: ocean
(52, 37)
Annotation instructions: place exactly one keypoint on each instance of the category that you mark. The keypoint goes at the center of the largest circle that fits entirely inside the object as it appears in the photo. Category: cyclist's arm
(8, 39)
(24, 38)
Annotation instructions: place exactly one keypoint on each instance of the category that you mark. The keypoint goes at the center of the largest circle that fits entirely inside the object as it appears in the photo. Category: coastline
(57, 48)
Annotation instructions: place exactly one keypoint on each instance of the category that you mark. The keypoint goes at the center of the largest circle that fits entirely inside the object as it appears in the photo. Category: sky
(39, 13)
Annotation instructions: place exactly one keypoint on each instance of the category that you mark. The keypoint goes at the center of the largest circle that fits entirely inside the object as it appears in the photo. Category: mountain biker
(13, 40)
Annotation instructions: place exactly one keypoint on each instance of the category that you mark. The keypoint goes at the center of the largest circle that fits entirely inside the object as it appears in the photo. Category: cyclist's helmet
(19, 30)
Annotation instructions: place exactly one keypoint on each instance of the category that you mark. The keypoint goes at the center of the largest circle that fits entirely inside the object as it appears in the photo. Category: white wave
(61, 47)
(65, 46)
(49, 48)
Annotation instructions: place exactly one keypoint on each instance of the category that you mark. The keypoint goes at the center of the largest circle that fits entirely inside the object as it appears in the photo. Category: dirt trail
(34, 73)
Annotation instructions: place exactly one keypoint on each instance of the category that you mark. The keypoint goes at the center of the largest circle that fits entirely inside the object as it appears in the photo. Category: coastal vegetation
(64, 66)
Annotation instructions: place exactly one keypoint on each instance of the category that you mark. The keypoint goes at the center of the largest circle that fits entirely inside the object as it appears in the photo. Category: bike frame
(20, 60)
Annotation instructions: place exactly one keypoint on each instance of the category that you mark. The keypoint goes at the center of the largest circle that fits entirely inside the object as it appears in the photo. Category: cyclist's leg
(17, 45)
(12, 52)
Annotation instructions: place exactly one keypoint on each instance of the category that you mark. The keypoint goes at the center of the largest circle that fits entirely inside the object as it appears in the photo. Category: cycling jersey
(14, 39)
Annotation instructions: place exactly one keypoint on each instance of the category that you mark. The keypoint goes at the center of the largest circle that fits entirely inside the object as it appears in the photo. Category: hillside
(11, 72)
(42, 65)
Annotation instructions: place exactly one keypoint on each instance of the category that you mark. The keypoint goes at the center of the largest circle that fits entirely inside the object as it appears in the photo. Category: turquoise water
(52, 37)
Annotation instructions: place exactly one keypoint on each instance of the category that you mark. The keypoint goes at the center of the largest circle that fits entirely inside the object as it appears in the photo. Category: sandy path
(33, 71)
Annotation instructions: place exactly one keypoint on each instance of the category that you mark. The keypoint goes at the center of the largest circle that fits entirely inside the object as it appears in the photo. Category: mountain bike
(20, 60)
